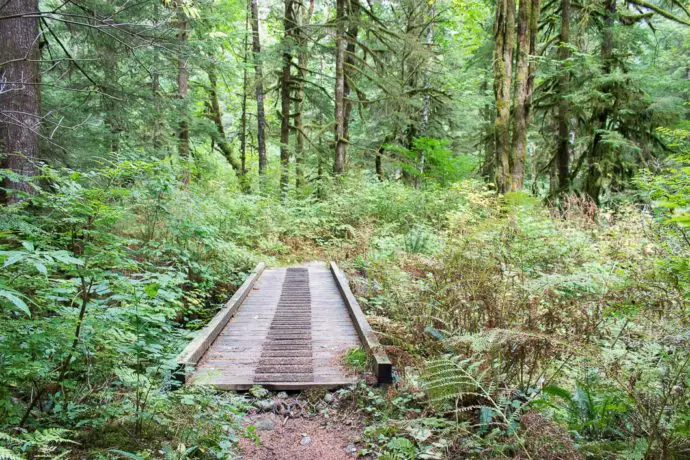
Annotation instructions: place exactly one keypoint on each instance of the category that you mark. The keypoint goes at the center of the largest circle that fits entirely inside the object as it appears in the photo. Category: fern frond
(6, 454)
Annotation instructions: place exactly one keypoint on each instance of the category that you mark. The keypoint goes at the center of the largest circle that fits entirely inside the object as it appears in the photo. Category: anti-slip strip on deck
(286, 354)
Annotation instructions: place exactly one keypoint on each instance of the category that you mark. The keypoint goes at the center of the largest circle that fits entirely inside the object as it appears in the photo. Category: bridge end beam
(383, 369)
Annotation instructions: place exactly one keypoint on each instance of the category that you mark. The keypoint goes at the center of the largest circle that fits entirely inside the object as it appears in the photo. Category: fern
(6, 454)
(43, 442)
(463, 383)
(47, 438)
(452, 380)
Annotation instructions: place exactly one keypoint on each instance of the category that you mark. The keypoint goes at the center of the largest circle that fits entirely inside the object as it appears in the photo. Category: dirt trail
(302, 438)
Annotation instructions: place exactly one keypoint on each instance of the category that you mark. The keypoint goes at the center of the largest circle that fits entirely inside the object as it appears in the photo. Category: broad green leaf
(16, 301)
(41, 268)
(13, 258)
(67, 259)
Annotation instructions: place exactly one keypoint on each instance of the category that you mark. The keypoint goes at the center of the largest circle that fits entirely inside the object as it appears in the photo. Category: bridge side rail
(191, 355)
(383, 368)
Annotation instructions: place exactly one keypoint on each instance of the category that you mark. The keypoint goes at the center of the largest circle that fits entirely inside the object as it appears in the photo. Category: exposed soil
(302, 438)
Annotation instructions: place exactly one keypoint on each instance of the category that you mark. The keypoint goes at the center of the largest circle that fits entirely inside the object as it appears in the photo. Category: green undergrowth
(513, 326)
(356, 358)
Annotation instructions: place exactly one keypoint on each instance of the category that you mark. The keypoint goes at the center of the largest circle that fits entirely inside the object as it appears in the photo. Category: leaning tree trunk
(219, 137)
(340, 141)
(259, 89)
(519, 149)
(504, 37)
(563, 115)
(285, 84)
(19, 93)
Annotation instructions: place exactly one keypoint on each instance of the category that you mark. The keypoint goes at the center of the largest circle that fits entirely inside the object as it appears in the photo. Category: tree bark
(340, 140)
(379, 156)
(285, 87)
(108, 89)
(533, 35)
(519, 148)
(504, 36)
(595, 158)
(563, 116)
(259, 89)
(183, 85)
(487, 141)
(349, 63)
(19, 94)
(302, 63)
(379, 163)
(245, 81)
(426, 102)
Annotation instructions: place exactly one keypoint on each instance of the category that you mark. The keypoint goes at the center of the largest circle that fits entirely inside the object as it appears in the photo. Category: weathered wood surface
(197, 347)
(290, 332)
(381, 364)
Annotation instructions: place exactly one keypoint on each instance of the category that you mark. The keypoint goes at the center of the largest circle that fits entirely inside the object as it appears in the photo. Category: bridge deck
(289, 332)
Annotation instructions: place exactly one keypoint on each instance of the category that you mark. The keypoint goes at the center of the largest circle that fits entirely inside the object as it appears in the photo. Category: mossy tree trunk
(504, 43)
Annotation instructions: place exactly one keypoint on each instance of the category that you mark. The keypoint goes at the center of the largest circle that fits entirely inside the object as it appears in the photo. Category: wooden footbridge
(285, 329)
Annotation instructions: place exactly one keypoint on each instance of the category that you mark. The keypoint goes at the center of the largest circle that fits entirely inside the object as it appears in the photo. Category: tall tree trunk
(183, 84)
(504, 37)
(519, 149)
(563, 116)
(156, 121)
(285, 87)
(426, 103)
(108, 88)
(596, 154)
(351, 33)
(259, 89)
(245, 81)
(533, 36)
(487, 141)
(19, 93)
(340, 140)
(302, 63)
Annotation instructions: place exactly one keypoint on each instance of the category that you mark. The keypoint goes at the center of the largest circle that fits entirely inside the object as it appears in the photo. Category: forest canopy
(505, 182)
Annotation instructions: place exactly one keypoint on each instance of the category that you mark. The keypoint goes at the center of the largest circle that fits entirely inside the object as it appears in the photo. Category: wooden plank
(285, 386)
(382, 365)
(191, 355)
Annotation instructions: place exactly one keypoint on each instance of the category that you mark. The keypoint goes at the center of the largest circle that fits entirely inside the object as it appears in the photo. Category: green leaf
(557, 391)
(152, 290)
(125, 454)
(13, 258)
(16, 301)
(67, 259)
(41, 268)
